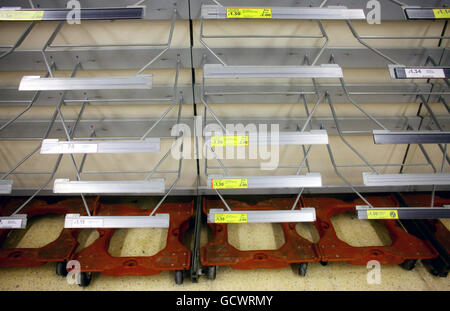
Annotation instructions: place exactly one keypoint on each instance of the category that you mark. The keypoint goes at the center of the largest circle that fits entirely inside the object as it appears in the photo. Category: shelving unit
(314, 79)
(94, 144)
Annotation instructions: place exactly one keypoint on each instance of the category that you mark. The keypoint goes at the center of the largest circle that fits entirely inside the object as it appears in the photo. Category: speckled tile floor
(334, 276)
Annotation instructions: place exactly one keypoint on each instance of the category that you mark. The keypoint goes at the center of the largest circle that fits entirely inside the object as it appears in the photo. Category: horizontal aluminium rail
(314, 137)
(151, 186)
(371, 179)
(261, 182)
(222, 12)
(54, 146)
(218, 71)
(305, 214)
(77, 221)
(426, 13)
(6, 186)
(36, 83)
(18, 221)
(410, 137)
(13, 14)
(366, 212)
(419, 72)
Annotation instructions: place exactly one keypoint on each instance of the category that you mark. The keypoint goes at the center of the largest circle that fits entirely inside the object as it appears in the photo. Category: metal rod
(49, 41)
(297, 198)
(356, 35)
(343, 178)
(33, 100)
(19, 41)
(169, 42)
(338, 128)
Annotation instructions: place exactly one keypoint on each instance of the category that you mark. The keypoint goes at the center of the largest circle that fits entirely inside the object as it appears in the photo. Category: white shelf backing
(409, 137)
(218, 71)
(314, 137)
(306, 214)
(419, 72)
(262, 182)
(366, 212)
(54, 146)
(222, 12)
(371, 179)
(151, 186)
(6, 186)
(36, 83)
(18, 221)
(77, 221)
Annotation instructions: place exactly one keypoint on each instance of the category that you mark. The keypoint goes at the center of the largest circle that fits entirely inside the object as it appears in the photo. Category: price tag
(249, 13)
(86, 223)
(230, 218)
(441, 13)
(229, 140)
(13, 15)
(79, 148)
(233, 183)
(385, 214)
(10, 223)
(424, 73)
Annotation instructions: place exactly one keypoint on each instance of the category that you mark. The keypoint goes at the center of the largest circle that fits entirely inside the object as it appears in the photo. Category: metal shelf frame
(440, 177)
(74, 144)
(400, 70)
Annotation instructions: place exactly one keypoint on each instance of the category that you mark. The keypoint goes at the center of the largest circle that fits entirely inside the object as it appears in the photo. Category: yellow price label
(385, 214)
(249, 13)
(230, 218)
(441, 13)
(229, 140)
(232, 183)
(12, 15)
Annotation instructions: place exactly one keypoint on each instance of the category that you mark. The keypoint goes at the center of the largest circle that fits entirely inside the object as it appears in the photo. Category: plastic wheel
(302, 268)
(409, 264)
(324, 263)
(212, 272)
(179, 277)
(61, 269)
(84, 279)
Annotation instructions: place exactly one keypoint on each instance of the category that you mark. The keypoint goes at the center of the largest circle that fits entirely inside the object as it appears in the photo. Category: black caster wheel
(84, 279)
(324, 263)
(179, 277)
(212, 271)
(61, 268)
(302, 268)
(408, 264)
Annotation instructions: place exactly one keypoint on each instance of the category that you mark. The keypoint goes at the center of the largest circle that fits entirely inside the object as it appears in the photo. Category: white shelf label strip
(54, 146)
(154, 185)
(77, 221)
(306, 214)
(13, 222)
(6, 186)
(37, 83)
(424, 73)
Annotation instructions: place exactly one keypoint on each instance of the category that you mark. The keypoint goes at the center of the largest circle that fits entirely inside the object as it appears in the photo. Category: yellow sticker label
(441, 13)
(249, 13)
(384, 214)
(232, 183)
(229, 140)
(230, 218)
(11, 15)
